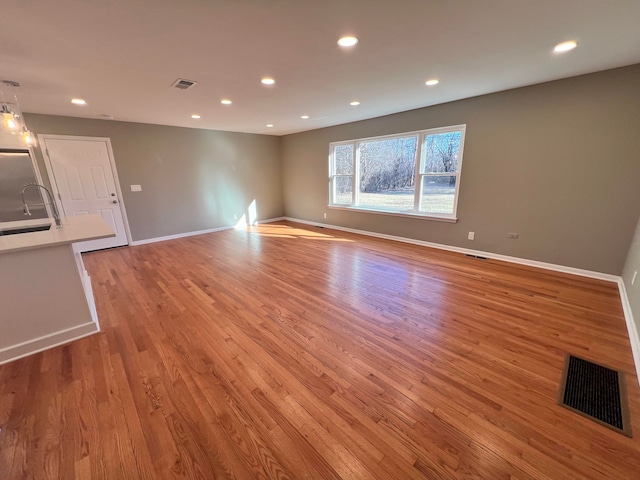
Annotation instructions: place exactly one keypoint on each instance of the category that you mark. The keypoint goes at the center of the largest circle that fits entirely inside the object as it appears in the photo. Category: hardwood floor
(288, 351)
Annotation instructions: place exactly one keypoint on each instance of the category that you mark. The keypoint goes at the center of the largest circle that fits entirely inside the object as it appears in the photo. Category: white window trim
(355, 190)
(397, 213)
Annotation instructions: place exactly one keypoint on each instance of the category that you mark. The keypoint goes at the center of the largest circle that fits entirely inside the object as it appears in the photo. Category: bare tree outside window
(442, 150)
(387, 173)
(440, 156)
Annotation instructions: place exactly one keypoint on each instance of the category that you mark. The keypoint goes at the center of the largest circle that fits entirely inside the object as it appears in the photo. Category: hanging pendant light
(12, 119)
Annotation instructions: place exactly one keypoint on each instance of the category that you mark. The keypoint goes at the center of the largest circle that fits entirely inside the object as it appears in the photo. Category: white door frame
(52, 178)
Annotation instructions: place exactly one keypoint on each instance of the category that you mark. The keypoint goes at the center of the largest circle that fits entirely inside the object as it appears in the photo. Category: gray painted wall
(558, 163)
(191, 179)
(632, 265)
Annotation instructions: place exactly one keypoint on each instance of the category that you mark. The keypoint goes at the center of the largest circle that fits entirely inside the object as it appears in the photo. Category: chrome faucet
(56, 214)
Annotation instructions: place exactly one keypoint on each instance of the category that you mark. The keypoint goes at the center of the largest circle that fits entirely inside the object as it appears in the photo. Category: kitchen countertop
(74, 229)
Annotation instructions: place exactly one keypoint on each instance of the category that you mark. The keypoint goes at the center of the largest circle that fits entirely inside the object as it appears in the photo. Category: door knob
(113, 194)
(115, 201)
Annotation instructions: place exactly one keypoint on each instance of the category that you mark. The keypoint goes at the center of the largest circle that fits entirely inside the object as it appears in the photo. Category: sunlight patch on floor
(285, 231)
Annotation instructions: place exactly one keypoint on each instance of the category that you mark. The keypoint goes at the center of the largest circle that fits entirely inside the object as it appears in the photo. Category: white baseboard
(198, 232)
(178, 235)
(628, 315)
(634, 338)
(468, 251)
(271, 220)
(14, 352)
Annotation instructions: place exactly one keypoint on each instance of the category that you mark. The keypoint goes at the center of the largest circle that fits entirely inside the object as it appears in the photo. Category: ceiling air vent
(183, 84)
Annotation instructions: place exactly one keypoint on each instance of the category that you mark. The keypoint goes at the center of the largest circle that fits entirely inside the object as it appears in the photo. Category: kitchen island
(46, 297)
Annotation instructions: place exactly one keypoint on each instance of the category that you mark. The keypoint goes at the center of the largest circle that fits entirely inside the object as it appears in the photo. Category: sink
(14, 231)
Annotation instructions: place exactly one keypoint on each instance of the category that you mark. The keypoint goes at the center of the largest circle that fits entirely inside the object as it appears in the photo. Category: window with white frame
(415, 173)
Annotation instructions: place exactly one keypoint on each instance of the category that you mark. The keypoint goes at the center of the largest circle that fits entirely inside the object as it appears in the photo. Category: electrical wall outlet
(136, 188)
(512, 235)
(325, 214)
(633, 279)
(471, 236)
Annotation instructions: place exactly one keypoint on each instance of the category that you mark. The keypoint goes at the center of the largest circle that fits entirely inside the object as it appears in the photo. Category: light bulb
(348, 41)
(29, 139)
(565, 46)
(11, 122)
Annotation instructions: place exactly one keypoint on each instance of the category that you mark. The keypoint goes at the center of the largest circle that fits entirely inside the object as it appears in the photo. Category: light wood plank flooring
(287, 351)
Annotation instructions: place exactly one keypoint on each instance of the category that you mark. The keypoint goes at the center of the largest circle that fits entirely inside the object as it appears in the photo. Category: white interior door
(82, 174)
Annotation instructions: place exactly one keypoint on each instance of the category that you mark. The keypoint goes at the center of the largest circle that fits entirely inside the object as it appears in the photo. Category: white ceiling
(123, 55)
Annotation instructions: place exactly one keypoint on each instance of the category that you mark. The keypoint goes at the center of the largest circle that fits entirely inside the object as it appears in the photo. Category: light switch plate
(136, 188)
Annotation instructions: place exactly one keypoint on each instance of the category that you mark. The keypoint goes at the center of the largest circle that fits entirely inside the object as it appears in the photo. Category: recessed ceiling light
(268, 81)
(304, 117)
(226, 101)
(355, 103)
(348, 41)
(78, 101)
(195, 115)
(269, 125)
(432, 82)
(565, 46)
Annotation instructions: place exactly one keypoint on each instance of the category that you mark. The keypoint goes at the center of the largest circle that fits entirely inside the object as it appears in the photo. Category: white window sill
(424, 216)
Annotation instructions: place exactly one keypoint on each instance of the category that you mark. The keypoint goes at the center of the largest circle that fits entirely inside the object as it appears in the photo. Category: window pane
(438, 194)
(344, 190)
(387, 173)
(441, 152)
(344, 159)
